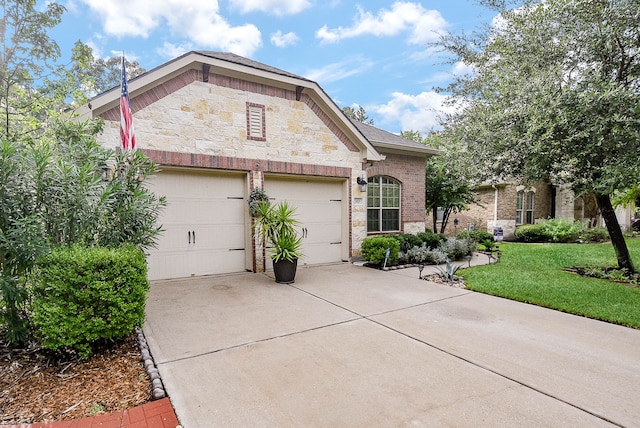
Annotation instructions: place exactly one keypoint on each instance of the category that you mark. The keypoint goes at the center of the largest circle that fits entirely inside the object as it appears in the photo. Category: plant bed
(39, 386)
(610, 273)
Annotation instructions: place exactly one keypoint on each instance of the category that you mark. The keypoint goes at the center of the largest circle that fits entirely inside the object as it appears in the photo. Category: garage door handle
(189, 233)
(194, 236)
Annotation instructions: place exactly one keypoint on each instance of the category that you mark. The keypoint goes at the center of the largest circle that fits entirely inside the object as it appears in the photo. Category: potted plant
(276, 225)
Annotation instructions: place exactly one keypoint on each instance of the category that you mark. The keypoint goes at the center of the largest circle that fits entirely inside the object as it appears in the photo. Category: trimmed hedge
(84, 295)
(374, 249)
(431, 239)
(476, 235)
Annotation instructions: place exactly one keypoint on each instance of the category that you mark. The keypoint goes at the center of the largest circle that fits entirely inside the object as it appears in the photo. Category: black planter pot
(285, 271)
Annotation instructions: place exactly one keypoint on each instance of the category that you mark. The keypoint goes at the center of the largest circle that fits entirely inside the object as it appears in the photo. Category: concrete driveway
(348, 346)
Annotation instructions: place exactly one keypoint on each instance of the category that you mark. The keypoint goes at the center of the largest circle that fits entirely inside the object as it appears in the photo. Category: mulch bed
(38, 386)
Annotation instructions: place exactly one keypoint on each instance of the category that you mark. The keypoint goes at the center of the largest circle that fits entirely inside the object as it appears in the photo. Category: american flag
(126, 116)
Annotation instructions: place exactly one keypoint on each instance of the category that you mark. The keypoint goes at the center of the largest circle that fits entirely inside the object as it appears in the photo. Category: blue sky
(369, 53)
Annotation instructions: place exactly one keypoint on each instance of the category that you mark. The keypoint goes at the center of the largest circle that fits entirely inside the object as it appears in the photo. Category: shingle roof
(379, 137)
(237, 59)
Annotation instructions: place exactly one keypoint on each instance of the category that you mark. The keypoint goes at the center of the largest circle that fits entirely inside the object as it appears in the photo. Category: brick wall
(409, 171)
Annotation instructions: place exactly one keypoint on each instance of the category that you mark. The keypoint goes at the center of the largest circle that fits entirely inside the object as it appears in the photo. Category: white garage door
(204, 225)
(319, 209)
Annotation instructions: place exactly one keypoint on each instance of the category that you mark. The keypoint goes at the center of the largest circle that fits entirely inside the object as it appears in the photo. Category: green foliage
(456, 249)
(406, 240)
(594, 234)
(535, 274)
(374, 249)
(530, 233)
(448, 271)
(476, 235)
(553, 230)
(83, 295)
(558, 230)
(256, 197)
(52, 193)
(277, 226)
(360, 114)
(431, 239)
(554, 97)
(424, 255)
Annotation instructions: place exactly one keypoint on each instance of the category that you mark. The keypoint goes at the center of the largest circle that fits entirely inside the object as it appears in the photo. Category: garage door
(319, 209)
(204, 224)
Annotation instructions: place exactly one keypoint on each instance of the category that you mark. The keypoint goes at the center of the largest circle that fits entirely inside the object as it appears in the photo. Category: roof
(237, 59)
(382, 139)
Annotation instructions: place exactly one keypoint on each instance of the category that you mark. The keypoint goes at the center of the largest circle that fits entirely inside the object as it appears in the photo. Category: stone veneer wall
(188, 122)
(409, 171)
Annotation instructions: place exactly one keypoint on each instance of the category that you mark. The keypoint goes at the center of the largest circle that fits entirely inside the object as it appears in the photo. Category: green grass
(532, 273)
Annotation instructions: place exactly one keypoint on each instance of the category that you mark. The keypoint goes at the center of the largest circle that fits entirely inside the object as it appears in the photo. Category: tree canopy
(357, 114)
(554, 95)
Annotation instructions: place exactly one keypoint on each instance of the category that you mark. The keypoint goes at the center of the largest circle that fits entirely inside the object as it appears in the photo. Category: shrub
(476, 235)
(558, 230)
(374, 249)
(530, 233)
(456, 249)
(407, 241)
(424, 254)
(431, 239)
(594, 234)
(84, 295)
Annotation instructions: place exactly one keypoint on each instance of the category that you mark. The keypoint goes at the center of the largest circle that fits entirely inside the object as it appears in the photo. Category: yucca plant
(275, 225)
(448, 272)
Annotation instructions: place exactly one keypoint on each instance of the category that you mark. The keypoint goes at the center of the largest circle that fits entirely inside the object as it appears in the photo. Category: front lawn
(533, 273)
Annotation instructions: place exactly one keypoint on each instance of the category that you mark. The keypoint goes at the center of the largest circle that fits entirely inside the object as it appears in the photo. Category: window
(383, 204)
(256, 129)
(524, 207)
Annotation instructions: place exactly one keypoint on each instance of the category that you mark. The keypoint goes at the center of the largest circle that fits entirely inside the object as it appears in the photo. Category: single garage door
(204, 224)
(319, 209)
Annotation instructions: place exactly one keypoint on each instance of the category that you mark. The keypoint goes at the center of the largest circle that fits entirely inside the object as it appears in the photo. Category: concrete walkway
(349, 346)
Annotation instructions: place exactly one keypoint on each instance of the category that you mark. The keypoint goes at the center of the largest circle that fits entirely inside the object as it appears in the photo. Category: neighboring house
(220, 125)
(507, 205)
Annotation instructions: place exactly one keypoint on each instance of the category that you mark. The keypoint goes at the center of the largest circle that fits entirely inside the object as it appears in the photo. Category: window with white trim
(383, 204)
(256, 128)
(524, 207)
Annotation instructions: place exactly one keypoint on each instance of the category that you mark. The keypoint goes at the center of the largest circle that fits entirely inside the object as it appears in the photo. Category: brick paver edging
(156, 414)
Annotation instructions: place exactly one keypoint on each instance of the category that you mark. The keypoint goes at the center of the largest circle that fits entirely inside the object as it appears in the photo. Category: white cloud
(274, 7)
(414, 112)
(170, 50)
(339, 70)
(283, 40)
(199, 22)
(424, 25)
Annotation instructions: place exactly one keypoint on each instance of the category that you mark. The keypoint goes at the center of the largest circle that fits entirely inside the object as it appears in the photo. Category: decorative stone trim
(157, 386)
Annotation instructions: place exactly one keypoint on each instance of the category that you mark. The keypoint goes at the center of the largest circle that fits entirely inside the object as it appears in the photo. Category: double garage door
(207, 226)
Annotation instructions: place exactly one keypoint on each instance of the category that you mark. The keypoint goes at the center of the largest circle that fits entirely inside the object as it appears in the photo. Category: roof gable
(234, 67)
(382, 139)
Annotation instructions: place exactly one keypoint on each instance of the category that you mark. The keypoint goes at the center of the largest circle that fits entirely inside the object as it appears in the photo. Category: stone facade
(198, 118)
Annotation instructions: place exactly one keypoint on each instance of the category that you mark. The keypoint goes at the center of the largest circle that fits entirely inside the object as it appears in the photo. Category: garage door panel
(319, 210)
(208, 205)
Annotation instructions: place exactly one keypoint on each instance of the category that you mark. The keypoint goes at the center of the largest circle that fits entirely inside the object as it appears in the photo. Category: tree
(360, 114)
(106, 73)
(27, 55)
(449, 183)
(555, 96)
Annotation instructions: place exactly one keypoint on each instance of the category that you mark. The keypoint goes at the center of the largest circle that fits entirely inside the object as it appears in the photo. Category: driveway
(348, 346)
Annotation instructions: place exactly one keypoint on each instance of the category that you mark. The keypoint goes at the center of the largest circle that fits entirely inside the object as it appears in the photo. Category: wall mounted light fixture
(363, 184)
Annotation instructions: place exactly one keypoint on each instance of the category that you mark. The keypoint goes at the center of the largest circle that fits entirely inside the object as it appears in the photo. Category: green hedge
(84, 295)
(431, 239)
(374, 249)
(476, 235)
(555, 230)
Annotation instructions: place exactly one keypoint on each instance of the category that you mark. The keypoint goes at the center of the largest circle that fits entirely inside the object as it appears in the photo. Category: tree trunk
(615, 233)
(445, 218)
(435, 219)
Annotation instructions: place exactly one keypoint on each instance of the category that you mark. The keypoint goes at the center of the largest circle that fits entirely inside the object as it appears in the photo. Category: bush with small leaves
(456, 249)
(476, 235)
(375, 248)
(83, 295)
(594, 234)
(431, 239)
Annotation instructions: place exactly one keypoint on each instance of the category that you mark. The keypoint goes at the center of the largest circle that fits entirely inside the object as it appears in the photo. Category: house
(220, 125)
(507, 205)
